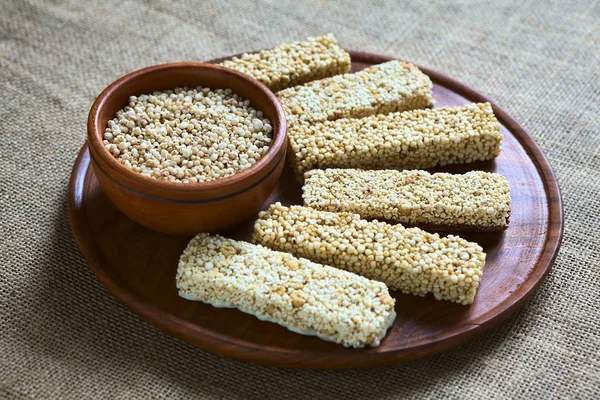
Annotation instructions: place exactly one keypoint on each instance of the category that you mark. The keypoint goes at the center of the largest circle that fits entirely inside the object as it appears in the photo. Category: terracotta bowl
(186, 208)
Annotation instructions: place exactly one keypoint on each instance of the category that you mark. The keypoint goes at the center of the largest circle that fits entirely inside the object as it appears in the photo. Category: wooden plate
(138, 265)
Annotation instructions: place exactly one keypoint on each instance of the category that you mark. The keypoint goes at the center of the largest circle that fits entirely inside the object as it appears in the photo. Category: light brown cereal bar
(477, 200)
(406, 259)
(383, 88)
(416, 139)
(296, 293)
(294, 64)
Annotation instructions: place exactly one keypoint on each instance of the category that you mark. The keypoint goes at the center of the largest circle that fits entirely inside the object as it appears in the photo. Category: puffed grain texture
(406, 259)
(188, 135)
(383, 88)
(294, 64)
(475, 201)
(301, 295)
(416, 139)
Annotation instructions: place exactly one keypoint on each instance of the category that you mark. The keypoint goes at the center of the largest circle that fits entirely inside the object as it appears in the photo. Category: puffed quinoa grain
(476, 200)
(188, 135)
(406, 259)
(416, 139)
(296, 293)
(294, 64)
(383, 88)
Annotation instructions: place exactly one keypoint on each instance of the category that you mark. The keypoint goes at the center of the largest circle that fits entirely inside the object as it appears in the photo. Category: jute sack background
(62, 335)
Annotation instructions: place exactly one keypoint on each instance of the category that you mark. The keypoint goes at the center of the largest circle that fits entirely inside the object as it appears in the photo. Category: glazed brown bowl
(186, 208)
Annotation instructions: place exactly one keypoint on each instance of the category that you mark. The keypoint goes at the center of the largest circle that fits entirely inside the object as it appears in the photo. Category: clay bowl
(186, 208)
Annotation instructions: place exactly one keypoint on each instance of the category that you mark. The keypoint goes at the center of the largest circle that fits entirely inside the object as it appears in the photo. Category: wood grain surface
(138, 265)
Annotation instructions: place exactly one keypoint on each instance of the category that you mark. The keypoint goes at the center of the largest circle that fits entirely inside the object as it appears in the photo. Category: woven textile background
(62, 335)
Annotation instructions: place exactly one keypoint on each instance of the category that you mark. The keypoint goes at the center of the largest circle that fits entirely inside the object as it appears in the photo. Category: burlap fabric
(62, 335)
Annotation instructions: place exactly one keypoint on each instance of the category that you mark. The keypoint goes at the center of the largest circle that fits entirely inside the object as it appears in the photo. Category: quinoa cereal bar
(416, 139)
(406, 259)
(476, 200)
(294, 64)
(188, 135)
(303, 296)
(383, 88)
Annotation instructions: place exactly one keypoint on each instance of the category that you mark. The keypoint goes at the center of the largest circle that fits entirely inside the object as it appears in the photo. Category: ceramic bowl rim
(94, 132)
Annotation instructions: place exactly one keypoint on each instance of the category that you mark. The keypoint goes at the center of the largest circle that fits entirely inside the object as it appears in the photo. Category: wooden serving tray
(138, 265)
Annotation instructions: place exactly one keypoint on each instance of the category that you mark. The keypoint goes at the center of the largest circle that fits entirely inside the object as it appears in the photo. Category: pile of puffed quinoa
(188, 135)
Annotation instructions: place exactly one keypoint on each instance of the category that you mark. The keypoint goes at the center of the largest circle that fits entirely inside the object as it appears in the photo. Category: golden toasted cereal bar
(477, 200)
(383, 88)
(303, 296)
(294, 64)
(416, 139)
(406, 259)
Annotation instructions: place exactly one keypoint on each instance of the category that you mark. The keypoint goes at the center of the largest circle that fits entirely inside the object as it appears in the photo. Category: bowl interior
(161, 78)
(169, 76)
